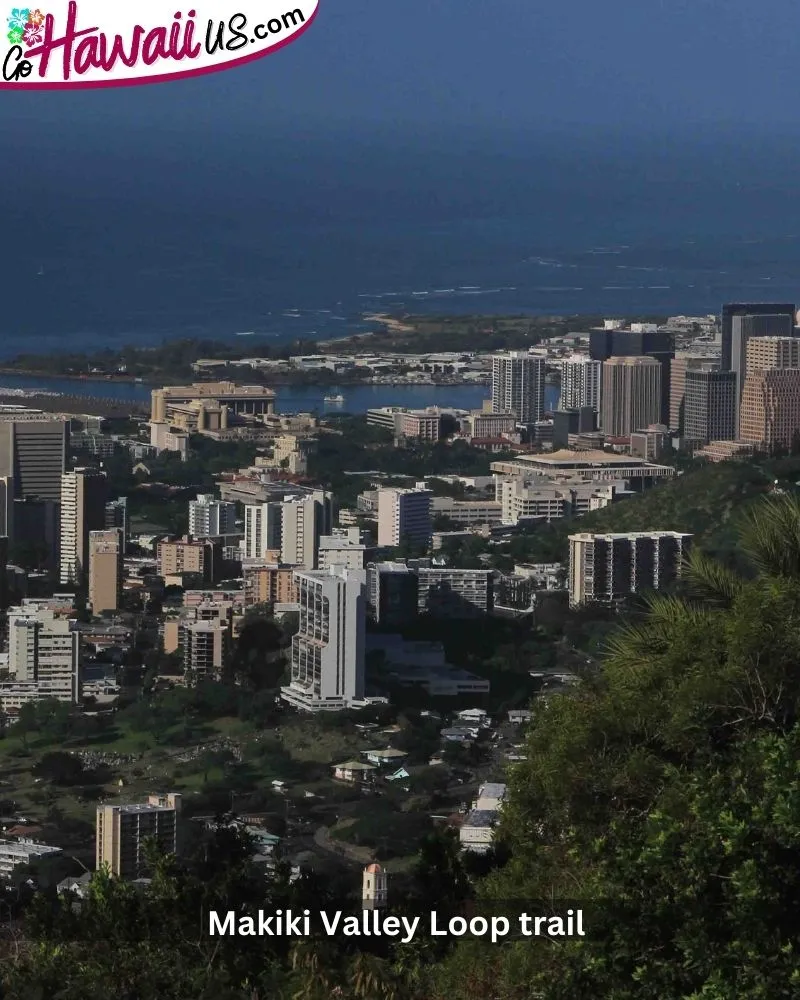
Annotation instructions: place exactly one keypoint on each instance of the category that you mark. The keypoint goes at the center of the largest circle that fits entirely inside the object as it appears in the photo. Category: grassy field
(229, 763)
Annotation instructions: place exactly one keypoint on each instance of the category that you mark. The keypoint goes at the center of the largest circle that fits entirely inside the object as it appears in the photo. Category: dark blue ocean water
(135, 243)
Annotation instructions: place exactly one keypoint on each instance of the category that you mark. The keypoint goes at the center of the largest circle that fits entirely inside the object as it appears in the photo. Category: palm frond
(770, 536)
(709, 581)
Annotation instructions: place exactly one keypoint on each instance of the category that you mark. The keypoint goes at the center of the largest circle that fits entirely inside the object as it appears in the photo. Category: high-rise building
(392, 594)
(327, 669)
(269, 584)
(105, 570)
(305, 521)
(741, 322)
(200, 557)
(36, 526)
(566, 422)
(204, 645)
(631, 394)
(710, 405)
(518, 382)
(44, 655)
(117, 516)
(263, 529)
(642, 341)
(608, 568)
(455, 593)
(33, 451)
(210, 517)
(124, 830)
(404, 516)
(581, 382)
(772, 352)
(769, 415)
(679, 365)
(83, 510)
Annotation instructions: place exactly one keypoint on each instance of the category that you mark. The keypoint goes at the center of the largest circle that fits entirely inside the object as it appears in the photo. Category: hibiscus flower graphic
(19, 18)
(33, 34)
(15, 36)
(36, 17)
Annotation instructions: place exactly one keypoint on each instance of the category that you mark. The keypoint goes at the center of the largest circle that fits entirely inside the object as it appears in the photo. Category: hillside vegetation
(706, 501)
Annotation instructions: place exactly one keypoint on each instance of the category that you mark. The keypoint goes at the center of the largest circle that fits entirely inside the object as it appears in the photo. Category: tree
(664, 796)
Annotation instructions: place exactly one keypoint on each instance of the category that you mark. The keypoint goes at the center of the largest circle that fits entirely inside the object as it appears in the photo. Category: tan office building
(631, 396)
(769, 416)
(772, 352)
(105, 570)
(122, 831)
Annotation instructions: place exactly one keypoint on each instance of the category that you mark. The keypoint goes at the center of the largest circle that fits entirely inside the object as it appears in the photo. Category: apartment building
(269, 583)
(606, 568)
(83, 510)
(210, 517)
(404, 515)
(518, 383)
(106, 559)
(44, 658)
(304, 521)
(581, 383)
(123, 831)
(454, 593)
(327, 666)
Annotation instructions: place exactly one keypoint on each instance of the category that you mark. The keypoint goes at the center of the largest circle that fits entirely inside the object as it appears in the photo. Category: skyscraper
(631, 395)
(327, 669)
(404, 516)
(678, 367)
(83, 509)
(33, 449)
(709, 405)
(772, 352)
(644, 341)
(105, 570)
(210, 517)
(518, 381)
(769, 415)
(581, 380)
(741, 322)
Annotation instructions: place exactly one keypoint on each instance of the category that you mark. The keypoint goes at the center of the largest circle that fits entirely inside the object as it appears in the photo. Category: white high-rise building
(581, 379)
(327, 671)
(305, 521)
(210, 517)
(518, 382)
(404, 516)
(43, 657)
(83, 499)
(262, 529)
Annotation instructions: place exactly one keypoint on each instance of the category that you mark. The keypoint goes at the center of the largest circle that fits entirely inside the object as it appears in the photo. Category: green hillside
(706, 501)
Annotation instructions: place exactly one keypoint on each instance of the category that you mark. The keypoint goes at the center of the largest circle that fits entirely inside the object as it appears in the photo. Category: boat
(334, 399)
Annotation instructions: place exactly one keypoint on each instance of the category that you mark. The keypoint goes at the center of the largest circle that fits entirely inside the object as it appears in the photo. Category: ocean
(133, 245)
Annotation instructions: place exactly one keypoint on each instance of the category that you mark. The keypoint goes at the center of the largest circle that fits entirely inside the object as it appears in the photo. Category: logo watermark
(93, 43)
